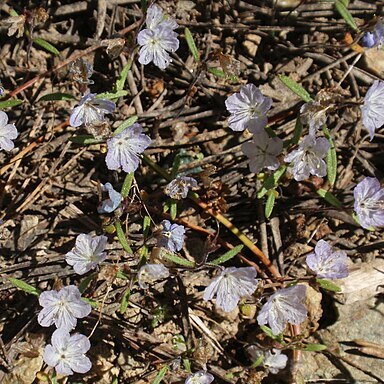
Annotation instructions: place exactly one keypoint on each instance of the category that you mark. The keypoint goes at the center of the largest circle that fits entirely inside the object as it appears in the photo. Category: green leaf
(270, 203)
(331, 158)
(159, 377)
(227, 256)
(268, 332)
(179, 260)
(341, 7)
(85, 140)
(24, 286)
(84, 283)
(191, 45)
(272, 181)
(328, 285)
(175, 165)
(121, 275)
(121, 236)
(217, 72)
(47, 46)
(173, 209)
(296, 88)
(330, 198)
(125, 124)
(125, 300)
(111, 95)
(297, 132)
(314, 347)
(56, 96)
(91, 302)
(10, 103)
(120, 82)
(127, 184)
(257, 362)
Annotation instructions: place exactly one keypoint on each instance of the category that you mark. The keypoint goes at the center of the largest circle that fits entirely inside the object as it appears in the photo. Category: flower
(308, 158)
(156, 18)
(326, 263)
(284, 306)
(90, 110)
(109, 205)
(248, 109)
(375, 37)
(8, 132)
(87, 253)
(262, 152)
(157, 39)
(230, 286)
(66, 353)
(124, 148)
(200, 377)
(171, 237)
(62, 308)
(372, 110)
(369, 203)
(273, 360)
(179, 187)
(150, 273)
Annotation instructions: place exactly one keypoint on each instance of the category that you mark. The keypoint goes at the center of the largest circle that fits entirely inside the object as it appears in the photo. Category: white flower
(200, 377)
(262, 152)
(284, 306)
(308, 158)
(158, 38)
(111, 204)
(369, 203)
(87, 253)
(62, 308)
(248, 109)
(90, 110)
(155, 17)
(230, 286)
(327, 263)
(372, 110)
(178, 188)
(273, 360)
(8, 132)
(67, 353)
(150, 273)
(124, 148)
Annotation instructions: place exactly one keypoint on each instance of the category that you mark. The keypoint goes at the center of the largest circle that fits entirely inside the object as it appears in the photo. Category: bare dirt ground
(50, 190)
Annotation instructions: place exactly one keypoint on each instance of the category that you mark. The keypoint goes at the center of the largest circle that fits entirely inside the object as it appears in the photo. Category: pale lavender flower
(200, 377)
(90, 110)
(327, 263)
(155, 18)
(150, 273)
(109, 205)
(308, 158)
(179, 187)
(66, 353)
(62, 308)
(372, 110)
(125, 147)
(155, 45)
(262, 152)
(87, 253)
(248, 109)
(230, 286)
(171, 237)
(8, 132)
(284, 306)
(374, 38)
(369, 203)
(158, 38)
(273, 361)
